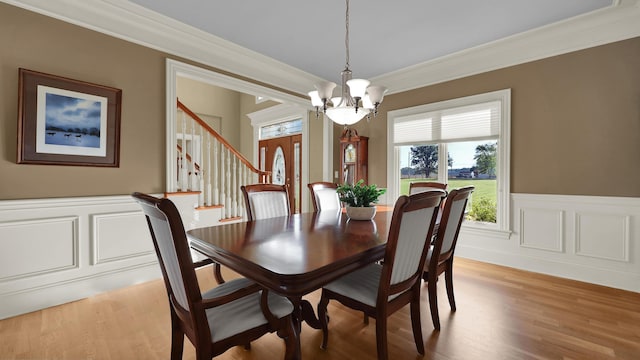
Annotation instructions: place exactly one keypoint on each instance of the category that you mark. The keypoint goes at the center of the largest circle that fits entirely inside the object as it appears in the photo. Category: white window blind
(465, 123)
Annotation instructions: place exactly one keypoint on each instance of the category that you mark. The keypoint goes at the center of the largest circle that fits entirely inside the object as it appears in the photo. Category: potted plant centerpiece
(359, 199)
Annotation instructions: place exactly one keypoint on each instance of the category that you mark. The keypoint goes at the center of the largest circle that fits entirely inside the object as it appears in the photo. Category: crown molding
(128, 21)
(131, 22)
(277, 113)
(615, 23)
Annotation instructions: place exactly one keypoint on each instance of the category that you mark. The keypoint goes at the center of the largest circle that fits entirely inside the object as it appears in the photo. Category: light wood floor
(502, 314)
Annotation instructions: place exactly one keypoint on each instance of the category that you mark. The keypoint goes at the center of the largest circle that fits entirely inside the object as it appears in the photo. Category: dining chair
(421, 186)
(324, 196)
(265, 201)
(417, 187)
(380, 289)
(200, 260)
(233, 313)
(444, 246)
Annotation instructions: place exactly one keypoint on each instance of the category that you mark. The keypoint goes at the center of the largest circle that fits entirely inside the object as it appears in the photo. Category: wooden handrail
(210, 130)
(189, 159)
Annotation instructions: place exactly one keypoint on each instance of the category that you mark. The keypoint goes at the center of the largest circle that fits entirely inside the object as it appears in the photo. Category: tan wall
(575, 121)
(315, 148)
(47, 45)
(44, 44)
(211, 100)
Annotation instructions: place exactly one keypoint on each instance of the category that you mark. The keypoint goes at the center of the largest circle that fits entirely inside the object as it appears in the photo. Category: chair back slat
(327, 199)
(452, 217)
(324, 196)
(455, 217)
(411, 241)
(269, 204)
(170, 260)
(265, 201)
(172, 248)
(418, 187)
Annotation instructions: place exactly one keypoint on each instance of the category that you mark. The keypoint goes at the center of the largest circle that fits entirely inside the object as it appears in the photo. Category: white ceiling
(385, 36)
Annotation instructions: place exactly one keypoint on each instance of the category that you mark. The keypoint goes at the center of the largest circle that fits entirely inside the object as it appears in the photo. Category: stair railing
(208, 164)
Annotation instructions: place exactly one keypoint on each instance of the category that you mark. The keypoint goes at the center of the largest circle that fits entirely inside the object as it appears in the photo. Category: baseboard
(605, 277)
(40, 297)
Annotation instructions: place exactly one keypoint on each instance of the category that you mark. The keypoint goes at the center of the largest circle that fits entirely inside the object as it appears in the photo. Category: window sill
(486, 230)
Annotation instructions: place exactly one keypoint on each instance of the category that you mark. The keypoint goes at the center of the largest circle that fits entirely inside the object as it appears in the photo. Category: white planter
(361, 213)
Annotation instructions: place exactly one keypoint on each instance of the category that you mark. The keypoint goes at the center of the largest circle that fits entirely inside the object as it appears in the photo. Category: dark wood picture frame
(63, 121)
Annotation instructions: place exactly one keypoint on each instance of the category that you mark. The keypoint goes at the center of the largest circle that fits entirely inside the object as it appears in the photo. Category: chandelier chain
(346, 37)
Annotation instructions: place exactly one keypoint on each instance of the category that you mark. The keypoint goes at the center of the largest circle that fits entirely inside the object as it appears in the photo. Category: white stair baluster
(244, 182)
(183, 158)
(202, 168)
(228, 183)
(193, 176)
(216, 164)
(222, 193)
(209, 197)
(235, 186)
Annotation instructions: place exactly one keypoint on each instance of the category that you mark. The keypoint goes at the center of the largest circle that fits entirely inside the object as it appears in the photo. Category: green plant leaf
(359, 194)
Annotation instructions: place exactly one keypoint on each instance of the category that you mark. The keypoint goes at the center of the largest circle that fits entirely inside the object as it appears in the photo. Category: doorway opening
(290, 104)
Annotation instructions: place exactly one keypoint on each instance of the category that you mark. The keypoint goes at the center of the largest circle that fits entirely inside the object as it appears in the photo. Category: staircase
(208, 174)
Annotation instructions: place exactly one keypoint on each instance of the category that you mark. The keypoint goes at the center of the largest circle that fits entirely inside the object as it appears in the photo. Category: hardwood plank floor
(502, 314)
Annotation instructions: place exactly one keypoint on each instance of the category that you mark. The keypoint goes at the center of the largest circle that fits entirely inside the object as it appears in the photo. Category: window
(474, 134)
(281, 129)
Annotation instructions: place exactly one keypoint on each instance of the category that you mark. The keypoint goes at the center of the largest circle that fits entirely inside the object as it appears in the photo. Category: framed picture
(67, 122)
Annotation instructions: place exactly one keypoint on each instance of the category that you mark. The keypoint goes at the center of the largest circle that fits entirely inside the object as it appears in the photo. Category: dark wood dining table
(297, 254)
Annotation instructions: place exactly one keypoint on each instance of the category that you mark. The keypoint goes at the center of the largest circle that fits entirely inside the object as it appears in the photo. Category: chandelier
(358, 98)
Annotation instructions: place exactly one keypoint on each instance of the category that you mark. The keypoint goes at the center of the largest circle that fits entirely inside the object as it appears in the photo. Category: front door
(283, 157)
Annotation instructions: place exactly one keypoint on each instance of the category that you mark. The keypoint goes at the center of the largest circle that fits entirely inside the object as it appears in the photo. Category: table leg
(304, 312)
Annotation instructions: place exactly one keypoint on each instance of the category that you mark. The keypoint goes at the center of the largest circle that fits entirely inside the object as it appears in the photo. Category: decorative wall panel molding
(46, 245)
(59, 250)
(602, 235)
(542, 229)
(119, 236)
(595, 239)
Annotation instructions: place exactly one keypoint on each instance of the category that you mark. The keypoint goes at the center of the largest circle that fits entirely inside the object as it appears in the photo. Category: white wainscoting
(54, 251)
(588, 238)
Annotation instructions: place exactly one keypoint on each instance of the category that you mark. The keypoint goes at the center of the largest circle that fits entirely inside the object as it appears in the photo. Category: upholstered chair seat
(243, 314)
(361, 285)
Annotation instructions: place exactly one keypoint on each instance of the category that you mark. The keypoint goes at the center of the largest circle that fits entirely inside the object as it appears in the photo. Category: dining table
(297, 254)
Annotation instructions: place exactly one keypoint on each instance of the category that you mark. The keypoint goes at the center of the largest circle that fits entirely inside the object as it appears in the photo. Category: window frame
(503, 224)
